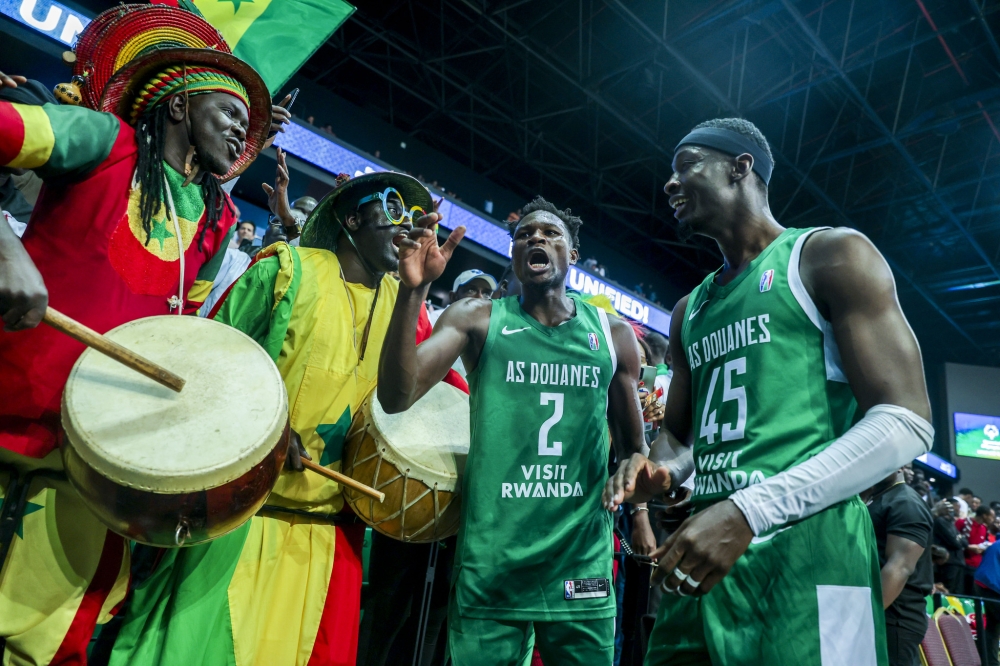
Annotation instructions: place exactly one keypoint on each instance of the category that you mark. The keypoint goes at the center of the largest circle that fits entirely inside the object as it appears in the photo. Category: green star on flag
(333, 436)
(159, 231)
(29, 508)
(236, 4)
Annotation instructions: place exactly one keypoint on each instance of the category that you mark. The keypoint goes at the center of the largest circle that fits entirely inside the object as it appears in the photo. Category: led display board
(47, 17)
(977, 436)
(939, 464)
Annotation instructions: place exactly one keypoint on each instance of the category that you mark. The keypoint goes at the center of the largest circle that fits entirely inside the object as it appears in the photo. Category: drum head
(230, 415)
(430, 439)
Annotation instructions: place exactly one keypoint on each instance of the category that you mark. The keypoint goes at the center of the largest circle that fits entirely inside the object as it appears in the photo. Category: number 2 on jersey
(543, 434)
(709, 427)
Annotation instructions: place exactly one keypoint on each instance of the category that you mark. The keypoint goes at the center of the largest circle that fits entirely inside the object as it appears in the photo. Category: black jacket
(946, 536)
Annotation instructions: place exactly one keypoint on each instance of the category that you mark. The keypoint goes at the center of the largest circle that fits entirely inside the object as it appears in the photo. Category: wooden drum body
(170, 469)
(416, 458)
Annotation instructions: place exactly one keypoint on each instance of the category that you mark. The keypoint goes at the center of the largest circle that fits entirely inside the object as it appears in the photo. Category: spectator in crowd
(599, 269)
(961, 500)
(903, 527)
(945, 535)
(590, 264)
(988, 586)
(246, 233)
(509, 284)
(640, 289)
(512, 216)
(975, 503)
(659, 356)
(977, 529)
(286, 218)
(918, 482)
(472, 283)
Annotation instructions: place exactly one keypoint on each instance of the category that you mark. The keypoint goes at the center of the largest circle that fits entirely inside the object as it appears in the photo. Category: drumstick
(98, 342)
(342, 479)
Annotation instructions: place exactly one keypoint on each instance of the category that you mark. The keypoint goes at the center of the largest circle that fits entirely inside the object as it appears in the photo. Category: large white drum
(416, 458)
(167, 468)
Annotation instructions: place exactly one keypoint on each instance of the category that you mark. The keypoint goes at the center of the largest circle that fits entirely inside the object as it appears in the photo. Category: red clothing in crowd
(978, 533)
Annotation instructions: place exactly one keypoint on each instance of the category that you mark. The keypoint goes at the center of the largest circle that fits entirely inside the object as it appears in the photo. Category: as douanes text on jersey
(553, 374)
(743, 333)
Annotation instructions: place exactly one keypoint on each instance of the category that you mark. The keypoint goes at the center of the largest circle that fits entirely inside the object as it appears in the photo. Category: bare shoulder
(839, 246)
(468, 314)
(620, 327)
(844, 265)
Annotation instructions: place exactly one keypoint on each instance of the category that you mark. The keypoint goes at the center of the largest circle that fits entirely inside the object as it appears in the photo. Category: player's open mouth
(538, 260)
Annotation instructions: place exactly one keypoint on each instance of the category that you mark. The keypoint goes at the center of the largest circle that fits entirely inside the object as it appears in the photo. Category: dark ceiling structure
(883, 116)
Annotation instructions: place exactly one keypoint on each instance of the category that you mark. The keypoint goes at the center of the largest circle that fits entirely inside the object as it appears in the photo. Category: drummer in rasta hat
(285, 588)
(130, 224)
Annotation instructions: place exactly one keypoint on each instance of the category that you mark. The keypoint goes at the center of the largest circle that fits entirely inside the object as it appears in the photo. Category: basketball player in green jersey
(549, 376)
(799, 383)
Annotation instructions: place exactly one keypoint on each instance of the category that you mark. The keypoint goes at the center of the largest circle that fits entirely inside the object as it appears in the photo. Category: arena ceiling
(883, 116)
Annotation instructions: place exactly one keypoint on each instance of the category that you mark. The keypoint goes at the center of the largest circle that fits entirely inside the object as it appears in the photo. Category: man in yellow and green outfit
(285, 588)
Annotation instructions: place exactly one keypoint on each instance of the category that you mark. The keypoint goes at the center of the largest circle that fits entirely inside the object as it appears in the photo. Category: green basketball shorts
(808, 594)
(475, 642)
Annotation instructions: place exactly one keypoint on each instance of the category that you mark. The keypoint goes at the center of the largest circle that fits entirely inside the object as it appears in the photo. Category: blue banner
(47, 17)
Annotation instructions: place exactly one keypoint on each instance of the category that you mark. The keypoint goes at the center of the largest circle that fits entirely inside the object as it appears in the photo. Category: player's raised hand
(637, 480)
(421, 260)
(702, 550)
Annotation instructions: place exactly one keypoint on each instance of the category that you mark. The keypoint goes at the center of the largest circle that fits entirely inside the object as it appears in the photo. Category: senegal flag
(275, 36)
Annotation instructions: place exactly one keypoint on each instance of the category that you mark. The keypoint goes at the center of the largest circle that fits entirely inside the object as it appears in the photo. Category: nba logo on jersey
(569, 584)
(765, 280)
(594, 342)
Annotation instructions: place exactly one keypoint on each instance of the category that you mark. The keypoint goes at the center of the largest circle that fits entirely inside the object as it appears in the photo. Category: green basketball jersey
(535, 542)
(768, 390)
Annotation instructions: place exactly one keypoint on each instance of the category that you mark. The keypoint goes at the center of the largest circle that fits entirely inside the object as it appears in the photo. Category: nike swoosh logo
(692, 315)
(505, 330)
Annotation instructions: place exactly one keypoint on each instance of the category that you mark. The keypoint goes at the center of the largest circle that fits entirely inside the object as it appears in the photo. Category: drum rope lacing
(404, 506)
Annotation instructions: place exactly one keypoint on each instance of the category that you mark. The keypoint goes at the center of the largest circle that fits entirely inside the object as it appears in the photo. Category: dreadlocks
(150, 135)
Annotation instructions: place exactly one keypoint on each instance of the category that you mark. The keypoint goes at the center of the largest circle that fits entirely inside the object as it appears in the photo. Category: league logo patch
(765, 280)
(595, 344)
(587, 588)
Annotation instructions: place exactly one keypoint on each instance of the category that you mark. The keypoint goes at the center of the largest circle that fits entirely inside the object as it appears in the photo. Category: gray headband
(732, 143)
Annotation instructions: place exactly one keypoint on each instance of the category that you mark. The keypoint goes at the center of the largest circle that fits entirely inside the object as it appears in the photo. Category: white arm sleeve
(886, 438)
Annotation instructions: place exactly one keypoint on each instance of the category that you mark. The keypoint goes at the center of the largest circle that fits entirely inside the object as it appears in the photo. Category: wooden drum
(172, 469)
(416, 458)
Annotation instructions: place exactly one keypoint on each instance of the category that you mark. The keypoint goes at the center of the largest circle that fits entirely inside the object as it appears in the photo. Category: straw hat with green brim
(129, 82)
(324, 224)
